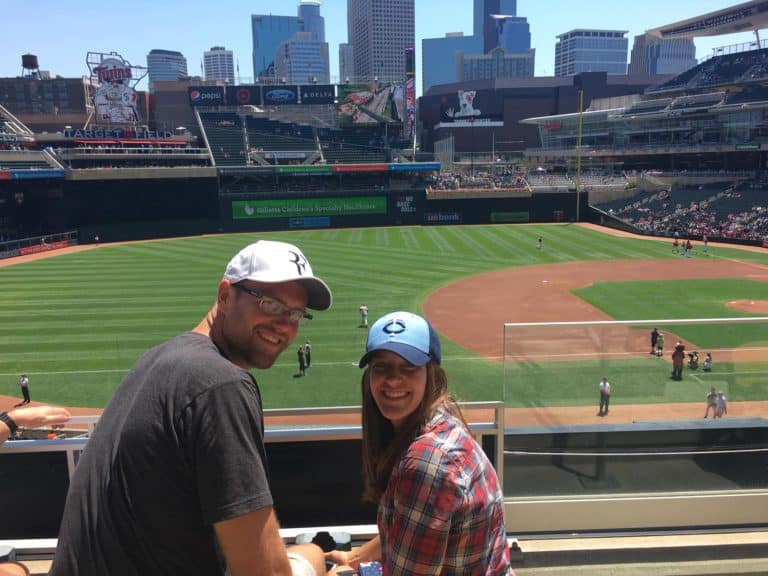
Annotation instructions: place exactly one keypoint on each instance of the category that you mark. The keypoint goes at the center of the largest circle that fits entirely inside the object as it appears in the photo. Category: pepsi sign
(206, 95)
(318, 94)
(281, 95)
(243, 95)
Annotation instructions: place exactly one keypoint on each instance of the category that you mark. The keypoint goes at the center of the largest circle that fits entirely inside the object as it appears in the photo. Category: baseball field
(75, 322)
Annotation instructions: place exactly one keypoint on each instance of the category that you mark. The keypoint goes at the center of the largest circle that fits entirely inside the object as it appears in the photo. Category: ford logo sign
(281, 95)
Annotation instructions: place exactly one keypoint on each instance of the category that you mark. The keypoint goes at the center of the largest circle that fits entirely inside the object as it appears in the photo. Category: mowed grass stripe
(475, 245)
(409, 240)
(439, 243)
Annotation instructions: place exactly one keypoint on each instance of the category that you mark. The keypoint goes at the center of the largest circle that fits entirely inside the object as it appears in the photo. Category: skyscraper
(583, 50)
(165, 65)
(652, 55)
(484, 25)
(275, 39)
(438, 57)
(498, 63)
(301, 59)
(219, 65)
(379, 32)
(513, 33)
(268, 33)
(495, 24)
(346, 63)
(309, 13)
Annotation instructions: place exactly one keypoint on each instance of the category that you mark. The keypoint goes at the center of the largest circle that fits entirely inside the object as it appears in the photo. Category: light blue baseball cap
(408, 335)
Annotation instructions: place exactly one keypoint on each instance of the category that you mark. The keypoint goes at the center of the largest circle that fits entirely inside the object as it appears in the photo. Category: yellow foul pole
(578, 152)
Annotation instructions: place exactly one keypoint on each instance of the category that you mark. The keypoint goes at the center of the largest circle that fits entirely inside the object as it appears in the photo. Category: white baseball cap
(272, 262)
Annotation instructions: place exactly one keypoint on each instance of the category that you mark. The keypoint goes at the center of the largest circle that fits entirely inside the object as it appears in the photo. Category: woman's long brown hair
(382, 444)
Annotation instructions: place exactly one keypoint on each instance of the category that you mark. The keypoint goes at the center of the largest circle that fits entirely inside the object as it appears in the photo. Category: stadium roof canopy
(744, 17)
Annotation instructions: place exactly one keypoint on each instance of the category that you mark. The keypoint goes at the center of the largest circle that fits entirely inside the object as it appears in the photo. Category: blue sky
(61, 33)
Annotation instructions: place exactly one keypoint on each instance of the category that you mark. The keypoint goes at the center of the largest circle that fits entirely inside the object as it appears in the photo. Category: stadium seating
(549, 180)
(717, 210)
(270, 136)
(646, 107)
(750, 93)
(697, 101)
(266, 135)
(718, 71)
(503, 179)
(24, 160)
(224, 133)
(352, 146)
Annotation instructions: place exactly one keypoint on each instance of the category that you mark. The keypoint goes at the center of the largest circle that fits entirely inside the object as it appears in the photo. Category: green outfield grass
(633, 381)
(685, 299)
(76, 322)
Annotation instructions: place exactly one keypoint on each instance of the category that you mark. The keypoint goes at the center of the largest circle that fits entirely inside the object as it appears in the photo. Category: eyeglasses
(274, 307)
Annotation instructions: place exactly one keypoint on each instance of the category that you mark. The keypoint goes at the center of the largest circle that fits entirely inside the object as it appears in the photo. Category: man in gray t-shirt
(174, 479)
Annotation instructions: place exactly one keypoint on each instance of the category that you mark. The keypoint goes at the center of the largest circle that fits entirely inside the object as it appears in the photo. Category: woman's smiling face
(397, 386)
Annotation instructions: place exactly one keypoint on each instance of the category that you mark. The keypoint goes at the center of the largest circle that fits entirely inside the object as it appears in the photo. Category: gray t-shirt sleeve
(223, 432)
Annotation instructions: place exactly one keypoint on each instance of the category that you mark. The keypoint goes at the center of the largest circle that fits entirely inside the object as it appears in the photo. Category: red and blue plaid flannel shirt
(443, 509)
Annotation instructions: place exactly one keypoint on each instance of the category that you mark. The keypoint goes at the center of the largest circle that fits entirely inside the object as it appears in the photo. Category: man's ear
(224, 294)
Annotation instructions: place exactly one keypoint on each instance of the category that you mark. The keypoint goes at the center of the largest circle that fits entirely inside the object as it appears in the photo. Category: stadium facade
(714, 116)
(484, 116)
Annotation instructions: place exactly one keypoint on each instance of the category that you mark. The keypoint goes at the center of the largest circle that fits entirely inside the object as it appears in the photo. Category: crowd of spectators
(11, 146)
(735, 212)
(502, 177)
(512, 177)
(113, 156)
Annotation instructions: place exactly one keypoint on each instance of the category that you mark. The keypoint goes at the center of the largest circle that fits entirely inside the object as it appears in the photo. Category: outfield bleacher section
(224, 134)
(273, 138)
(270, 141)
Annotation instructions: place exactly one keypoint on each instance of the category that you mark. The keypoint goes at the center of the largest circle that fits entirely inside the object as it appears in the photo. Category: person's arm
(368, 552)
(35, 417)
(252, 545)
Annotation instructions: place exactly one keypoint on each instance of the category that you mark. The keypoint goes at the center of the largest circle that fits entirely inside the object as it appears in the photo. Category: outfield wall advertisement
(308, 207)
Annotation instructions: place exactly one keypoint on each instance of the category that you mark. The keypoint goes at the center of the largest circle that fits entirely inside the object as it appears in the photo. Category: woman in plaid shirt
(441, 510)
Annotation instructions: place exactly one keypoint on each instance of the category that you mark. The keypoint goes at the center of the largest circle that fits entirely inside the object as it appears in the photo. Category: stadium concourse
(479, 329)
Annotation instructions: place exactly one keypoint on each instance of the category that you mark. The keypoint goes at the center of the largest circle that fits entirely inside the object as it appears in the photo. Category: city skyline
(62, 39)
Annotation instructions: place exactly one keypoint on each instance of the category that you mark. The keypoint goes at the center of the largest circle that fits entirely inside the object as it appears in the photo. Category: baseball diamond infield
(542, 293)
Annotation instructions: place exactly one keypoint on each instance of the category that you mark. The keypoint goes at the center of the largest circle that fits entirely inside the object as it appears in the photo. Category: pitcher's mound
(754, 306)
